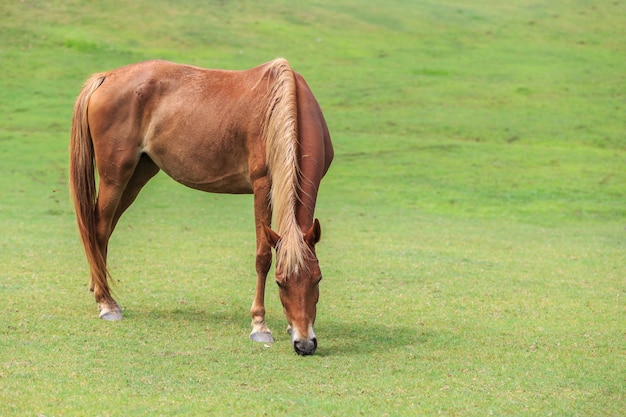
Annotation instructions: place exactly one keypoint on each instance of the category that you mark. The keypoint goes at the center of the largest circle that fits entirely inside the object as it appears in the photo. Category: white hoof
(110, 311)
(263, 337)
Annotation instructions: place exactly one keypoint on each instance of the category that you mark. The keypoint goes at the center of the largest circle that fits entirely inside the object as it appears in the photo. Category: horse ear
(271, 236)
(314, 234)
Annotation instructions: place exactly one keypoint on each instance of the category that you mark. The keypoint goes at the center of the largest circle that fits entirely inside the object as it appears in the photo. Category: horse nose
(305, 347)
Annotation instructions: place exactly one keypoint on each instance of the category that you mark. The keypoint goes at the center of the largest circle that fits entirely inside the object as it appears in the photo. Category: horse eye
(279, 284)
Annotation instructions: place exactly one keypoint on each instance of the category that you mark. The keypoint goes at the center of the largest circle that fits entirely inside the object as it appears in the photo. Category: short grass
(474, 220)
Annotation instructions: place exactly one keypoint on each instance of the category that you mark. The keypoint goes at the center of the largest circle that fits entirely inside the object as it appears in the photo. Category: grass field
(474, 219)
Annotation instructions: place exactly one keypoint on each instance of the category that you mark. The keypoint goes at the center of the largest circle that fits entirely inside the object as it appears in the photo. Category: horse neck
(305, 206)
(295, 133)
(312, 163)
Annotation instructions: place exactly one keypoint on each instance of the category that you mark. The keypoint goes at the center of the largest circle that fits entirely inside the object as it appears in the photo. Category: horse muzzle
(305, 347)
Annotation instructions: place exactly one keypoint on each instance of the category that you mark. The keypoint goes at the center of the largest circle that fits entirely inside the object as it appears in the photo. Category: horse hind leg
(115, 193)
(114, 197)
(109, 194)
(144, 171)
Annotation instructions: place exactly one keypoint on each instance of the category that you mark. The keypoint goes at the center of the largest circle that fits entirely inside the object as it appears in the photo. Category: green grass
(474, 220)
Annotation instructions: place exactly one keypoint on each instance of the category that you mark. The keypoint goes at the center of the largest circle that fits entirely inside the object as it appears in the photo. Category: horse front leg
(260, 331)
(263, 215)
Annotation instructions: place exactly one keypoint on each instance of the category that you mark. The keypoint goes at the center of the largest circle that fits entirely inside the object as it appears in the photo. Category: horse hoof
(110, 311)
(112, 315)
(263, 337)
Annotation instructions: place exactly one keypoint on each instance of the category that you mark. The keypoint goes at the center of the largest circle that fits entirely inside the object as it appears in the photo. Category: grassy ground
(474, 220)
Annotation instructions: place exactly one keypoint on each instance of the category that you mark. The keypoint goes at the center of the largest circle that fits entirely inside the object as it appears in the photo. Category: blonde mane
(280, 131)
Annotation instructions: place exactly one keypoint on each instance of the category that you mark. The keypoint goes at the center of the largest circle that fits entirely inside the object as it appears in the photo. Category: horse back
(201, 126)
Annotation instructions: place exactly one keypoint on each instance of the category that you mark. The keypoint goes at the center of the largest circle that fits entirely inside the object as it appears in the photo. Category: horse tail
(280, 130)
(83, 183)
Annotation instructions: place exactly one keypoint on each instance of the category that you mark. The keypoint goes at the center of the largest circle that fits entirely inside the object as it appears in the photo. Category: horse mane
(280, 130)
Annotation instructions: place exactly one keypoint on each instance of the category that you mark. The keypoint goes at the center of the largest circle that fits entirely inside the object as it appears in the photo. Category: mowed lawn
(473, 221)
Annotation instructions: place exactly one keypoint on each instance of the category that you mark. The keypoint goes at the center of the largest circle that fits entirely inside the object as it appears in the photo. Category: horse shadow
(337, 337)
(191, 314)
(341, 338)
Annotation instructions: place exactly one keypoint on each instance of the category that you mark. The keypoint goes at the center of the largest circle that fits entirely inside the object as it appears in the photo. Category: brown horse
(257, 131)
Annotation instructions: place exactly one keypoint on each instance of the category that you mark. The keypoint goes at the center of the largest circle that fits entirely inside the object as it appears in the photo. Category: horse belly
(194, 124)
(229, 183)
(216, 166)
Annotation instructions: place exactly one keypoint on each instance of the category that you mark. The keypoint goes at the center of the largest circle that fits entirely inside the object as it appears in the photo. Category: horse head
(299, 290)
